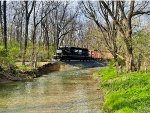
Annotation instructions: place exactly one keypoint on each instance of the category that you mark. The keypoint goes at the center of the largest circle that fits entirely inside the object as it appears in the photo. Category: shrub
(8, 57)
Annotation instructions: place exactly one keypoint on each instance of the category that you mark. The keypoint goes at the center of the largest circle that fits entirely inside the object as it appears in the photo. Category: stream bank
(14, 74)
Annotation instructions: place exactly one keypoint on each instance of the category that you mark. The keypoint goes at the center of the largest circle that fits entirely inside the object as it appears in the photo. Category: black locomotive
(72, 53)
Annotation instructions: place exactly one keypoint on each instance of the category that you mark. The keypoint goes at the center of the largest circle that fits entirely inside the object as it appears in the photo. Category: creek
(72, 91)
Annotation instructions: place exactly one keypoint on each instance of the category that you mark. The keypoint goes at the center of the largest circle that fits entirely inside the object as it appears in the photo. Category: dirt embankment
(13, 74)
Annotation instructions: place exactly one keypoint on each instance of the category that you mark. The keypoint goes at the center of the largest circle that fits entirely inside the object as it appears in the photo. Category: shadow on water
(86, 64)
(69, 65)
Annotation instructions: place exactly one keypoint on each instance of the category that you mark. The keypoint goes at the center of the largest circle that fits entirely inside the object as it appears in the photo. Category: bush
(8, 57)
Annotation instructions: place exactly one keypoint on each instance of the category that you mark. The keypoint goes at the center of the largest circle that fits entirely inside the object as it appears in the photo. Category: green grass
(125, 93)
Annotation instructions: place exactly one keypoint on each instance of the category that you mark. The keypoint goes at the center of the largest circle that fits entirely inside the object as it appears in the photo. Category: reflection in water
(59, 92)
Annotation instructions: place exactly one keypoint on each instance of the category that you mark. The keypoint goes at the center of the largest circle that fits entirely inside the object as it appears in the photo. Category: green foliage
(24, 68)
(12, 54)
(141, 48)
(125, 93)
(111, 63)
(125, 110)
(4, 57)
(43, 53)
(3, 52)
(8, 57)
(107, 73)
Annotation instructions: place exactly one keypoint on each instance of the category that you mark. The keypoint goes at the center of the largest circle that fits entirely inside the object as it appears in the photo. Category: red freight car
(96, 55)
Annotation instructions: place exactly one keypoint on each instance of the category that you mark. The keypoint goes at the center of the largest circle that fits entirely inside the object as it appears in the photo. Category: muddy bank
(14, 74)
(52, 67)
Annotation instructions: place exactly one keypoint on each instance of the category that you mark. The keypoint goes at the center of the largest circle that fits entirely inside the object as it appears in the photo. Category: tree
(96, 12)
(61, 19)
(27, 17)
(1, 22)
(5, 25)
(124, 25)
(17, 22)
(44, 13)
(93, 35)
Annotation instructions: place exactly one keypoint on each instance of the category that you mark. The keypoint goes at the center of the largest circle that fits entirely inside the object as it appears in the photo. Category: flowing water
(58, 92)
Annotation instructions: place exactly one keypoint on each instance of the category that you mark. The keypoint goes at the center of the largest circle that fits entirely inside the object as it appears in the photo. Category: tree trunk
(139, 61)
(26, 32)
(130, 67)
(145, 67)
(47, 43)
(1, 22)
(129, 58)
(5, 25)
(33, 60)
(56, 40)
(26, 41)
(17, 34)
(20, 39)
(47, 39)
(27, 17)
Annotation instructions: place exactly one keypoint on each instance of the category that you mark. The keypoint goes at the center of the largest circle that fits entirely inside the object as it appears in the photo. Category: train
(72, 53)
(76, 53)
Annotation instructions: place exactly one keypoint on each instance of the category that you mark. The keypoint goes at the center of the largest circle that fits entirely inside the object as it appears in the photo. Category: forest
(32, 31)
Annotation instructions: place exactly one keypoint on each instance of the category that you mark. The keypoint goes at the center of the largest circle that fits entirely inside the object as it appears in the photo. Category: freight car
(97, 55)
(72, 53)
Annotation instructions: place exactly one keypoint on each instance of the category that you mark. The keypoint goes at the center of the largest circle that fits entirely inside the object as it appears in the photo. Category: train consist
(76, 53)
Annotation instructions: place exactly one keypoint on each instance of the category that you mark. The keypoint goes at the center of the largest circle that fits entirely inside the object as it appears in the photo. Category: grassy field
(125, 93)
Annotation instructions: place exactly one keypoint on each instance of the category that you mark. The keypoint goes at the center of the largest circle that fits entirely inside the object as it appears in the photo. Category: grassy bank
(125, 93)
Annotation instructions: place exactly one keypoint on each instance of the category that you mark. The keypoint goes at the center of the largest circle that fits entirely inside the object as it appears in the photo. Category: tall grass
(125, 93)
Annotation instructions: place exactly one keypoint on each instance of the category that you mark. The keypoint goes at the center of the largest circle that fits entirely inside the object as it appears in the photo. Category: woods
(75, 56)
(35, 29)
(122, 14)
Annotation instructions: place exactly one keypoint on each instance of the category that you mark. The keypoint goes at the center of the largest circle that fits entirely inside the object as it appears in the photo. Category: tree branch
(45, 15)
(131, 10)
(141, 12)
(31, 9)
(112, 16)
(121, 7)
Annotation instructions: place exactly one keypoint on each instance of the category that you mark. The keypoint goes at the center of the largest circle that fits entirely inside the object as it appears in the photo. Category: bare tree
(1, 21)
(61, 19)
(18, 20)
(124, 25)
(96, 12)
(5, 25)
(44, 14)
(27, 17)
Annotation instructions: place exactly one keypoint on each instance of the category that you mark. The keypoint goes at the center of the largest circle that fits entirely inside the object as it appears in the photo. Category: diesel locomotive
(72, 53)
